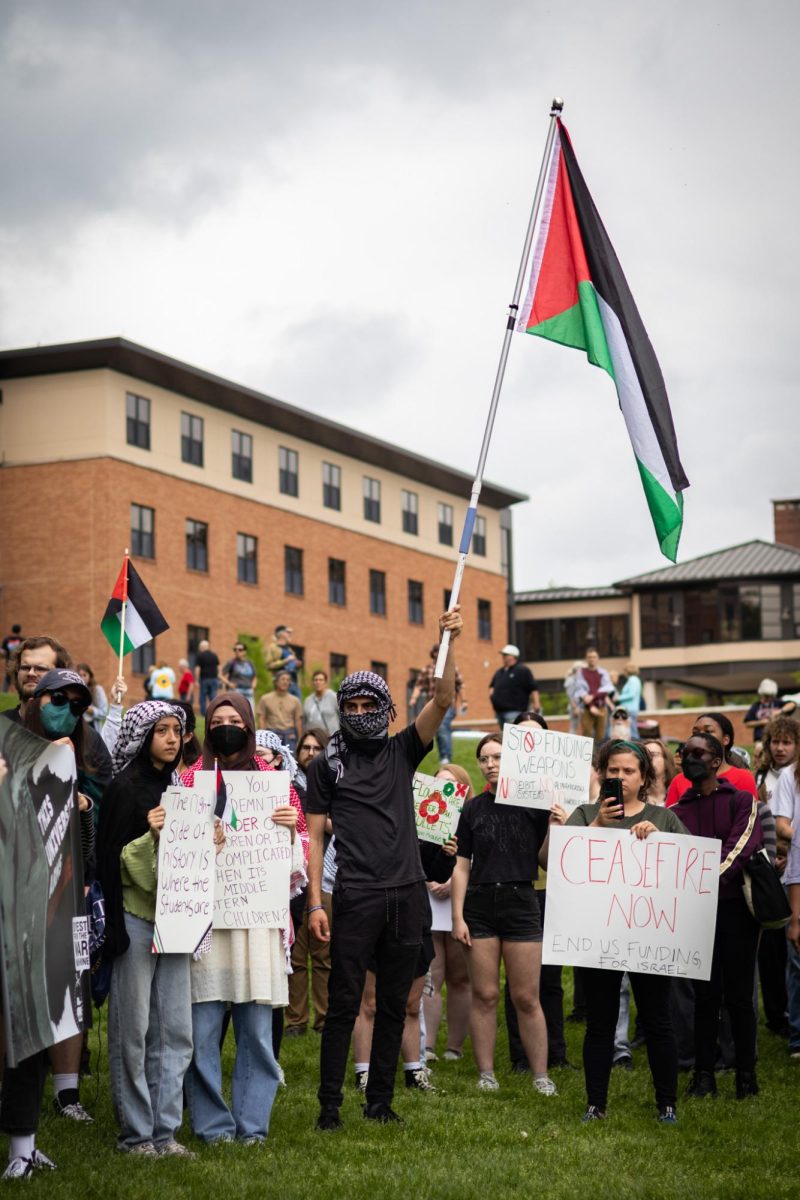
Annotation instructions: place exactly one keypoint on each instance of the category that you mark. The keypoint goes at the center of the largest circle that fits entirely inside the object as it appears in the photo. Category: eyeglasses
(26, 670)
(76, 707)
(240, 647)
(311, 748)
(489, 758)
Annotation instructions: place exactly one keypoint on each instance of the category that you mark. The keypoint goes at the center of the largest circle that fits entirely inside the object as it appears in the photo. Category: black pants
(386, 925)
(578, 994)
(21, 1098)
(652, 996)
(772, 973)
(732, 973)
(551, 998)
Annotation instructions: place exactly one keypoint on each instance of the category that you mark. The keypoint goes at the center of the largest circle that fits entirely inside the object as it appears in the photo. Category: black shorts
(509, 911)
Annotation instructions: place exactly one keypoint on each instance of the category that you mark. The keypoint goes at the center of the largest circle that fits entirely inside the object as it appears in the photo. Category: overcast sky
(327, 201)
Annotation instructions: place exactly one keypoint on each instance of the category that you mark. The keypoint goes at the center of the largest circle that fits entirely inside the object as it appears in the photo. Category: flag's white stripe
(136, 631)
(537, 254)
(631, 399)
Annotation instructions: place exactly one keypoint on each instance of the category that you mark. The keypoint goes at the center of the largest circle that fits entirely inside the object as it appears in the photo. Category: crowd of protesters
(390, 934)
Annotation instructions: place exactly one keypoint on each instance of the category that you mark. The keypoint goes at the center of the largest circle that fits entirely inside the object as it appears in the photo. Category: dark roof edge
(646, 575)
(118, 354)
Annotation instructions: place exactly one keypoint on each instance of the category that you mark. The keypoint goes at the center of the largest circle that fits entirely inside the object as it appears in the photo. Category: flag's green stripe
(580, 327)
(110, 625)
(666, 511)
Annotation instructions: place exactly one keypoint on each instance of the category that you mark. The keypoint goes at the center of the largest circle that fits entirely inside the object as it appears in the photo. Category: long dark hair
(726, 728)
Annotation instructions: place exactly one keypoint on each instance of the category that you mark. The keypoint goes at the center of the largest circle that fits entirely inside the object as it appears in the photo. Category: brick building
(240, 512)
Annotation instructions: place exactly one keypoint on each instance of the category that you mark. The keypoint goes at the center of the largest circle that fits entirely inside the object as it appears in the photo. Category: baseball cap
(56, 680)
(510, 649)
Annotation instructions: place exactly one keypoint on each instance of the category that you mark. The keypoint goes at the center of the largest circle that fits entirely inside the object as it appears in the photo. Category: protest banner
(253, 867)
(624, 904)
(542, 767)
(186, 869)
(437, 807)
(43, 924)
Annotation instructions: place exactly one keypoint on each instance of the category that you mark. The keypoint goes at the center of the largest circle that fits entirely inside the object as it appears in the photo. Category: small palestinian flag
(578, 296)
(143, 621)
(223, 807)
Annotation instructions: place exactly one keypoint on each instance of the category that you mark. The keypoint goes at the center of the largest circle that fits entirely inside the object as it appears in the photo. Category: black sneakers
(329, 1120)
(382, 1113)
(702, 1084)
(419, 1078)
(746, 1084)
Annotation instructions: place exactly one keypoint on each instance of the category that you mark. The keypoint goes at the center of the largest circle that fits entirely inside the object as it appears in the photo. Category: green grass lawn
(459, 1142)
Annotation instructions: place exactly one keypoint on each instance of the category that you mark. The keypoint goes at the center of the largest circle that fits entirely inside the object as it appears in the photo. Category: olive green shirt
(139, 871)
(664, 819)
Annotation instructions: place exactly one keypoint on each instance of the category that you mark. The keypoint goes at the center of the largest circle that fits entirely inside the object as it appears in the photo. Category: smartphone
(612, 789)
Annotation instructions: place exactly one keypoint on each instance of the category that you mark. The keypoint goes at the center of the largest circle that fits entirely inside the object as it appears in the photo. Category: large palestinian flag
(578, 296)
(143, 620)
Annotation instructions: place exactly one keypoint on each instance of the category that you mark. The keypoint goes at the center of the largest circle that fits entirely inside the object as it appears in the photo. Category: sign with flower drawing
(437, 807)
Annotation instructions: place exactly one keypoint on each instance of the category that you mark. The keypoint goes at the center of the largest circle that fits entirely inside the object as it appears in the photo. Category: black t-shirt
(208, 663)
(512, 687)
(372, 809)
(502, 840)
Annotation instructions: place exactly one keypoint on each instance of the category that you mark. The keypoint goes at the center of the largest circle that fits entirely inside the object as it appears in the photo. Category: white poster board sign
(542, 767)
(185, 898)
(437, 807)
(622, 904)
(254, 866)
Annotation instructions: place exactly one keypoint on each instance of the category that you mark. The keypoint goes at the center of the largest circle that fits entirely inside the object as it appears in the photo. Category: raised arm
(444, 690)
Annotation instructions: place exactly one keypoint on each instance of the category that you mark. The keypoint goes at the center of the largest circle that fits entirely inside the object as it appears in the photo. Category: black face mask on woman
(227, 740)
(695, 769)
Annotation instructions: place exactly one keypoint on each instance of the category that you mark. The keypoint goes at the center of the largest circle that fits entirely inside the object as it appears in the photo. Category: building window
(288, 480)
(554, 638)
(144, 657)
(293, 570)
(372, 499)
(377, 593)
(415, 606)
(196, 545)
(445, 518)
(192, 439)
(661, 620)
(241, 456)
(410, 512)
(380, 668)
(332, 486)
(479, 537)
(337, 591)
(143, 538)
(195, 634)
(337, 668)
(246, 558)
(138, 421)
(612, 636)
(485, 620)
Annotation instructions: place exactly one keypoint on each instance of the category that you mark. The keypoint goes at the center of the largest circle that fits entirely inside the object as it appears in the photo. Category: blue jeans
(444, 735)
(793, 992)
(507, 718)
(255, 1072)
(149, 1038)
(208, 690)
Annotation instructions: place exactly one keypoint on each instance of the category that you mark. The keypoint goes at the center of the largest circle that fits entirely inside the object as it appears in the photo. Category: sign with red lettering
(624, 904)
(254, 865)
(542, 767)
(437, 807)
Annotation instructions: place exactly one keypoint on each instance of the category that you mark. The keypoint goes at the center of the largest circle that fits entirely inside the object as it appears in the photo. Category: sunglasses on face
(76, 707)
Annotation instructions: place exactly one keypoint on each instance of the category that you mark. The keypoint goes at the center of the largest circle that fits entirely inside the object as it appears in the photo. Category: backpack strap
(743, 840)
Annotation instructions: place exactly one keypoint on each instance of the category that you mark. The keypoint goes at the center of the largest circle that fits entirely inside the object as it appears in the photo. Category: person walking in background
(762, 709)
(162, 682)
(97, 711)
(629, 697)
(281, 712)
(281, 657)
(239, 674)
(424, 687)
(513, 688)
(593, 689)
(11, 643)
(573, 701)
(206, 673)
(320, 709)
(185, 681)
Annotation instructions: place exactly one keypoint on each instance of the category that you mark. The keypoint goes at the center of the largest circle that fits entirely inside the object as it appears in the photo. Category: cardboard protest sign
(542, 767)
(437, 807)
(43, 924)
(186, 869)
(254, 866)
(622, 904)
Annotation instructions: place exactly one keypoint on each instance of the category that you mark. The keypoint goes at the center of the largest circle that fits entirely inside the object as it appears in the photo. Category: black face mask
(695, 769)
(227, 740)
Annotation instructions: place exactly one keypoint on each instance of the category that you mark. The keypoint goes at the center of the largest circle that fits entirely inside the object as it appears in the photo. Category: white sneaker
(545, 1086)
(452, 1055)
(41, 1161)
(174, 1149)
(140, 1150)
(430, 1055)
(487, 1082)
(73, 1112)
(18, 1168)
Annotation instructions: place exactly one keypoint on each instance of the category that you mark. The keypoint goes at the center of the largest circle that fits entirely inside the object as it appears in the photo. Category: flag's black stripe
(144, 603)
(610, 283)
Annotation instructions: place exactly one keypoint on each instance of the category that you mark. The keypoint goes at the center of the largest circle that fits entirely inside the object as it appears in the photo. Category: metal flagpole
(469, 521)
(122, 615)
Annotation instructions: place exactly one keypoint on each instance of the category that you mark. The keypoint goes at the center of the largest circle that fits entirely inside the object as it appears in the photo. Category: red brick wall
(786, 517)
(65, 526)
(675, 724)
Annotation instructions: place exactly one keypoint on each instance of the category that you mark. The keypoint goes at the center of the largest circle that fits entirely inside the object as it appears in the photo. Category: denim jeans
(793, 990)
(255, 1072)
(444, 735)
(149, 1038)
(208, 690)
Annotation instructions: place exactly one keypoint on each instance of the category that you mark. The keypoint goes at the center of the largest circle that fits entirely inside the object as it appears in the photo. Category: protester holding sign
(714, 807)
(149, 1012)
(629, 763)
(246, 968)
(496, 915)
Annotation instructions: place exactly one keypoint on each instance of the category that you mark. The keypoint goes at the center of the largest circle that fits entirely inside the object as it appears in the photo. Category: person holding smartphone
(626, 776)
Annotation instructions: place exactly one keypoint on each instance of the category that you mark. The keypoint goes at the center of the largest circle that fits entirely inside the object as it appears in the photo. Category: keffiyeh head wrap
(269, 740)
(369, 730)
(136, 726)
